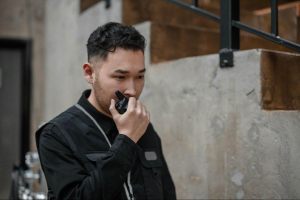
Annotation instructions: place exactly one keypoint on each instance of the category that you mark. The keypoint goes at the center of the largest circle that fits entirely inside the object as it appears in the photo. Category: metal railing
(230, 27)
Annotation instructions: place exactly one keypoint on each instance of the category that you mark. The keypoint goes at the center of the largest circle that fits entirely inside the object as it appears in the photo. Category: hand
(134, 122)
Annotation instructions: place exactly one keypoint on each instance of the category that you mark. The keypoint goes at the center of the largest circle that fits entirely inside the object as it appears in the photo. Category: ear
(88, 70)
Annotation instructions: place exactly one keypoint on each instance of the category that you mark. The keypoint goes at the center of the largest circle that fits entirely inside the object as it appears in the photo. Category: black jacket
(79, 163)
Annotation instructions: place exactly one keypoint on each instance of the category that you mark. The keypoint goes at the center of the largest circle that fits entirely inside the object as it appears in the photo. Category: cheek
(112, 86)
(107, 82)
(107, 85)
(140, 86)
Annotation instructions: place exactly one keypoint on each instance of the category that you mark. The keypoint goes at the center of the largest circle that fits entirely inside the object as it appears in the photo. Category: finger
(139, 107)
(112, 108)
(144, 110)
(131, 103)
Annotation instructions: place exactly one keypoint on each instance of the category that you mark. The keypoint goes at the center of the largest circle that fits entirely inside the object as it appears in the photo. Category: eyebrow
(127, 72)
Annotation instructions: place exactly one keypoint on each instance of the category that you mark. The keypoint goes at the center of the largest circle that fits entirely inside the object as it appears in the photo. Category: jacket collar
(104, 121)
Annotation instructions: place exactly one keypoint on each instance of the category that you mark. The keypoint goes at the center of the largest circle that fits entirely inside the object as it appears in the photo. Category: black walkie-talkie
(122, 104)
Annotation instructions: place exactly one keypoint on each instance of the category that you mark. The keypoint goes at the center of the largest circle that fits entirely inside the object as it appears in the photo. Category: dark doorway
(15, 57)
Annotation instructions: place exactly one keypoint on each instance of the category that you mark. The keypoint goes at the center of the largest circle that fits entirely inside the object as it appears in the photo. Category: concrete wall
(67, 32)
(217, 140)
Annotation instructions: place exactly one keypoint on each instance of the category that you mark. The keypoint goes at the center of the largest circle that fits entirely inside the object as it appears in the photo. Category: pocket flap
(94, 156)
(150, 158)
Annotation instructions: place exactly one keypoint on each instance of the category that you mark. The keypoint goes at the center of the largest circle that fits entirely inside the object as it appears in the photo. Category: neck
(93, 101)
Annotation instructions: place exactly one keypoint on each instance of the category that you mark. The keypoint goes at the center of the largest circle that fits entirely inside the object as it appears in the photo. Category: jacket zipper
(128, 188)
(129, 192)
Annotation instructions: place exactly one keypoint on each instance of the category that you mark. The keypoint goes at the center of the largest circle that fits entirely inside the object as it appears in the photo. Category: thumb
(112, 108)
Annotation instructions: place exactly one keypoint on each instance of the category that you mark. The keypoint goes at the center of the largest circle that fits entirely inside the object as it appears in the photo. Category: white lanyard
(101, 130)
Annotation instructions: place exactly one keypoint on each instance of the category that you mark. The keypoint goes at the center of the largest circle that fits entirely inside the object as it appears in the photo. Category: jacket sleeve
(167, 182)
(67, 177)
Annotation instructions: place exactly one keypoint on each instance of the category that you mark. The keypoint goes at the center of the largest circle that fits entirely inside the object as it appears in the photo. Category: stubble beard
(101, 97)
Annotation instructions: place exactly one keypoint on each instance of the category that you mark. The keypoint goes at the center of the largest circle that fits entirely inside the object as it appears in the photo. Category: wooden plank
(85, 4)
(280, 7)
(280, 81)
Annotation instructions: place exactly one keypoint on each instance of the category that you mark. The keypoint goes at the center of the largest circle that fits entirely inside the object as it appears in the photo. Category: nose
(130, 90)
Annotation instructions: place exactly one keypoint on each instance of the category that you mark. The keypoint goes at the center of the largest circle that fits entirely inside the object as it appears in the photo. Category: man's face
(123, 70)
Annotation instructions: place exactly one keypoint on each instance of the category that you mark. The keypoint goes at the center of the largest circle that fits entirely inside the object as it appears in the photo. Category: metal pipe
(196, 10)
(274, 17)
(267, 36)
(195, 3)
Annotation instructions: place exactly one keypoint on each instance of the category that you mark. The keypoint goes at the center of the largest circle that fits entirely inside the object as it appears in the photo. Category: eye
(119, 77)
(140, 77)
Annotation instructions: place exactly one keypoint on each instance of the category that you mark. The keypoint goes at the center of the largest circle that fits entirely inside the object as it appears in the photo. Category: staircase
(178, 33)
(227, 133)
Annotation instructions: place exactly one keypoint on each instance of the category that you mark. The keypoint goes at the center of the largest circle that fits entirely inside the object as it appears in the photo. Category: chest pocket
(151, 169)
(94, 156)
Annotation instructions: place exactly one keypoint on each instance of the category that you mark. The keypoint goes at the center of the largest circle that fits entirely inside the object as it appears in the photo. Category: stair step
(288, 20)
(169, 42)
(254, 13)
(280, 81)
(136, 11)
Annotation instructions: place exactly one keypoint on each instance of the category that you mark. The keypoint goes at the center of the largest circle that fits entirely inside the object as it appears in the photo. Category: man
(90, 151)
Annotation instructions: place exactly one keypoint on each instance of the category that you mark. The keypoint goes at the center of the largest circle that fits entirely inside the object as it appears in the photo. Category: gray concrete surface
(145, 29)
(217, 141)
(67, 32)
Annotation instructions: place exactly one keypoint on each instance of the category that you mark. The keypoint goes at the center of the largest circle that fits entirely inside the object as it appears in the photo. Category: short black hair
(108, 37)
